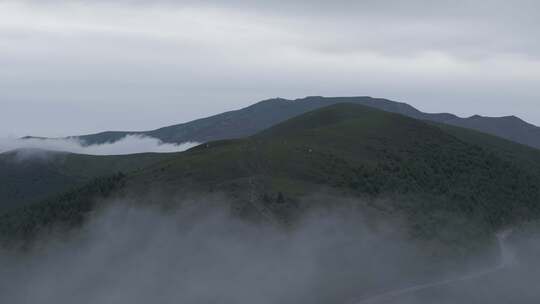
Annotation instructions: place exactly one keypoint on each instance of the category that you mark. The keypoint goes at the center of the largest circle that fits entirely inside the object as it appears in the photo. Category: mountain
(28, 176)
(264, 114)
(451, 190)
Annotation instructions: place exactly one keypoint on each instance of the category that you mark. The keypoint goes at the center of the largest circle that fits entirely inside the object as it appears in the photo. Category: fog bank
(195, 254)
(143, 255)
(128, 145)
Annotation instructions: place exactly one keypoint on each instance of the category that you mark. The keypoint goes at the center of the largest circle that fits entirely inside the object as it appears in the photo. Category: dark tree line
(66, 210)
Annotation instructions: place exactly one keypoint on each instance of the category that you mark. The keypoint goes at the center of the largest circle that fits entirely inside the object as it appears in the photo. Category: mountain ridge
(266, 113)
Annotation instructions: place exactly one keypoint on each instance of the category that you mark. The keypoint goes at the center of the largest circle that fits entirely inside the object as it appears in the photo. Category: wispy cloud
(127, 145)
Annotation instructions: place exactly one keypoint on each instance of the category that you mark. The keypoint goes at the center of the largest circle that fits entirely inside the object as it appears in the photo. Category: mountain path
(506, 260)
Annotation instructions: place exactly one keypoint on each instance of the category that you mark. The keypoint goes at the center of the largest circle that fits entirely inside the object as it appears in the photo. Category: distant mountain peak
(267, 113)
(34, 137)
(506, 119)
(514, 118)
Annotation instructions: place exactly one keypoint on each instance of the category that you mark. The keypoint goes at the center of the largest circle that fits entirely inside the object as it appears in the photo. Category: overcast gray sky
(71, 67)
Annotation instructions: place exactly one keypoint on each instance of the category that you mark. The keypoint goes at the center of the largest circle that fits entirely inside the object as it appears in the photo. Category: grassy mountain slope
(450, 190)
(262, 115)
(28, 176)
(365, 152)
(521, 154)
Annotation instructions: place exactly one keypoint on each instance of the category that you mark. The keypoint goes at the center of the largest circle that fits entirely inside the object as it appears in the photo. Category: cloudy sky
(71, 67)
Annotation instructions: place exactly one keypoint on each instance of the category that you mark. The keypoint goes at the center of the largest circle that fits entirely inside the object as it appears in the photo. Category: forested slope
(450, 190)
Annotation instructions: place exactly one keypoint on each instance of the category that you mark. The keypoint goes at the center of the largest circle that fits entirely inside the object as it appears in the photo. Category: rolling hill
(452, 190)
(29, 176)
(262, 115)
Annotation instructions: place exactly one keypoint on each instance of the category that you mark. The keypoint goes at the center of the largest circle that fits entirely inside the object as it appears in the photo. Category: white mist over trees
(130, 144)
(195, 254)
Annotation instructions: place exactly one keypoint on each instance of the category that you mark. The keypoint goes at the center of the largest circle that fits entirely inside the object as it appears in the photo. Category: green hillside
(451, 192)
(365, 152)
(29, 176)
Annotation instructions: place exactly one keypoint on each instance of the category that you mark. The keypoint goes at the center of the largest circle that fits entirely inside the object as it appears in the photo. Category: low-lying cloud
(143, 255)
(128, 145)
(128, 254)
